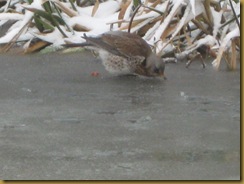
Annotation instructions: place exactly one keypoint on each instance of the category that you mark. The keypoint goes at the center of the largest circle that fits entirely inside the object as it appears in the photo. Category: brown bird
(125, 53)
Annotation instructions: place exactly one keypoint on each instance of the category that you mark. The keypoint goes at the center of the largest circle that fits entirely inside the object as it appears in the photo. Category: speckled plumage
(119, 65)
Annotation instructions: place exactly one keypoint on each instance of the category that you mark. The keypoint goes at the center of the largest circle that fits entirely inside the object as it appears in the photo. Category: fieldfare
(125, 53)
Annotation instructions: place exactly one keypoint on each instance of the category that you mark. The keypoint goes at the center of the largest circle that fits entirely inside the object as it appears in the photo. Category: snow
(158, 34)
(216, 21)
(11, 16)
(224, 45)
(166, 22)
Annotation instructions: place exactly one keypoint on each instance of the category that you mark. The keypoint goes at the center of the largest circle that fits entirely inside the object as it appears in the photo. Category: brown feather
(127, 44)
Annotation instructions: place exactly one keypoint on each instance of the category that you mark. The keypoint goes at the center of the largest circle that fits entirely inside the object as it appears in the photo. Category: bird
(124, 53)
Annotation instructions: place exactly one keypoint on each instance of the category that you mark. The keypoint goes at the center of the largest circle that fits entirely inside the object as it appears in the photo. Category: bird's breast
(116, 64)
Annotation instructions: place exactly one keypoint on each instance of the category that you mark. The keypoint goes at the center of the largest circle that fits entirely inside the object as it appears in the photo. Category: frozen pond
(59, 122)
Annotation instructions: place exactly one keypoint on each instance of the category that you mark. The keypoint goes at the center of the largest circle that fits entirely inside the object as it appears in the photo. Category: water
(57, 121)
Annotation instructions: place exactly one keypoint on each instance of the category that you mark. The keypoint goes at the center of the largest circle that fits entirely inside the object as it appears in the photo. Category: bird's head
(155, 66)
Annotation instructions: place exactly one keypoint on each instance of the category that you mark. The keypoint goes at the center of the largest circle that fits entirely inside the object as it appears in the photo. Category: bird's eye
(156, 70)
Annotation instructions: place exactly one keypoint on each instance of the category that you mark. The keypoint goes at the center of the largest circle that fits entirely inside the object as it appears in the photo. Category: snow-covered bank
(179, 27)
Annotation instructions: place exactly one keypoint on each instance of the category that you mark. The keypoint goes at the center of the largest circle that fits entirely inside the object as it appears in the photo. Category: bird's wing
(100, 43)
(121, 44)
(129, 45)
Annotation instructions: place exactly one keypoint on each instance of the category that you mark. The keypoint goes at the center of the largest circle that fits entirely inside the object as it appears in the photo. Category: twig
(132, 17)
(153, 9)
(238, 23)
